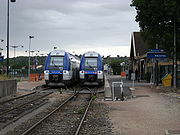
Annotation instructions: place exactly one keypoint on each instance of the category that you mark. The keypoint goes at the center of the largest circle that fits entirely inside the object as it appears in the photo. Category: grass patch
(94, 97)
(81, 111)
(4, 77)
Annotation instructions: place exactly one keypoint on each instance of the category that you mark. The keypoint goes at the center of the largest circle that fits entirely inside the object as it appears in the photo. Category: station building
(144, 66)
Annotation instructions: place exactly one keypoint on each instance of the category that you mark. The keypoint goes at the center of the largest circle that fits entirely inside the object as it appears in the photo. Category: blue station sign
(156, 53)
(156, 50)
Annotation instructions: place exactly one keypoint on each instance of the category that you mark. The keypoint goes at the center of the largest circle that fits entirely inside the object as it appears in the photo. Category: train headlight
(65, 72)
(81, 74)
(46, 72)
(100, 74)
(66, 75)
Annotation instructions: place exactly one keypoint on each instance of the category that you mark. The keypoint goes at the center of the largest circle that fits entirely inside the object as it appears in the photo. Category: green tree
(156, 20)
(22, 62)
(115, 64)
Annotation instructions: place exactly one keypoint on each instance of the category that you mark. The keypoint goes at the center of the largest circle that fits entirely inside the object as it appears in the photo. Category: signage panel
(156, 55)
(156, 50)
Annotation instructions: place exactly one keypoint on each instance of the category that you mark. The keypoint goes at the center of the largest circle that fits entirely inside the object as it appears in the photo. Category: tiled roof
(138, 46)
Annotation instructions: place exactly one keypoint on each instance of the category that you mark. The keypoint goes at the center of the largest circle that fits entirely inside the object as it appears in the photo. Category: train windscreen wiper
(54, 64)
(90, 66)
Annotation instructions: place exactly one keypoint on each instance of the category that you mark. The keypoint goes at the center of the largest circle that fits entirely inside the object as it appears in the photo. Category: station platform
(29, 85)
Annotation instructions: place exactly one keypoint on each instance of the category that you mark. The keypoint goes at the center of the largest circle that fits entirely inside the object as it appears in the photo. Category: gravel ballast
(97, 122)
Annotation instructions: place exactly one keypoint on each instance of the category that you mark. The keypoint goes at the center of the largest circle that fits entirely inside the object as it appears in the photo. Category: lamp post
(35, 58)
(175, 47)
(14, 47)
(32, 51)
(8, 35)
(55, 47)
(29, 64)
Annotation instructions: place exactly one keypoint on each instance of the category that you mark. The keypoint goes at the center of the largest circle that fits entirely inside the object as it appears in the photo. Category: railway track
(14, 99)
(83, 118)
(15, 108)
(65, 119)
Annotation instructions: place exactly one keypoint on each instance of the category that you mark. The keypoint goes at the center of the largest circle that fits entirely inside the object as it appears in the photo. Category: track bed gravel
(97, 121)
(64, 121)
(55, 99)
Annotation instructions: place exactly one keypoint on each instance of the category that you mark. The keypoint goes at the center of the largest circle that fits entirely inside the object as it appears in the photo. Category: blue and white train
(91, 69)
(61, 68)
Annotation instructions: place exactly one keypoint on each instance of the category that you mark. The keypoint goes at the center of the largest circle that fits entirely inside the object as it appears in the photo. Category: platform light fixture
(29, 64)
(14, 47)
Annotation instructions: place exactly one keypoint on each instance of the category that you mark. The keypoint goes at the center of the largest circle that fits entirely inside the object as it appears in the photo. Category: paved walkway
(26, 85)
(148, 113)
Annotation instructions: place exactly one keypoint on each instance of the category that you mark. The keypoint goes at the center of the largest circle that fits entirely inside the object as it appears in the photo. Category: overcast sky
(76, 26)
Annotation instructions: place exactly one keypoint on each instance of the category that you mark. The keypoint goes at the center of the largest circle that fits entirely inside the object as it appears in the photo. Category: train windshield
(91, 62)
(56, 61)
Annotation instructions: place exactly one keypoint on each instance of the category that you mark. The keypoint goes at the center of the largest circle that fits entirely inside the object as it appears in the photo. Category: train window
(56, 61)
(91, 62)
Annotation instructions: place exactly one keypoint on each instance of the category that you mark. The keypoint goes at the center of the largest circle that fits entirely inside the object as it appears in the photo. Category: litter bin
(166, 80)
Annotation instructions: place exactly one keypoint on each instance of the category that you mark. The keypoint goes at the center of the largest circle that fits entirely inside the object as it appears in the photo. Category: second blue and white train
(91, 69)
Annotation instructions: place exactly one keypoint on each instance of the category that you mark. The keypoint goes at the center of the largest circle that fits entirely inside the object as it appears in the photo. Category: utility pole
(175, 56)
(7, 39)
(8, 35)
(156, 68)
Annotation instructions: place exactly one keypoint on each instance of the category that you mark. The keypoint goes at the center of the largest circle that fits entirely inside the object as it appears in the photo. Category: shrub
(4, 77)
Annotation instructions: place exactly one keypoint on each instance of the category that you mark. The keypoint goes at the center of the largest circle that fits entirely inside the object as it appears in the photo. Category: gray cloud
(69, 23)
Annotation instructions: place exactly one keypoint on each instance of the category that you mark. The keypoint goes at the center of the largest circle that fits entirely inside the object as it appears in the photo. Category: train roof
(91, 54)
(58, 52)
(63, 53)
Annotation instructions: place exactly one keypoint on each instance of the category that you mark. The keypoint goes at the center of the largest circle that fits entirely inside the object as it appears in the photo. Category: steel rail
(3, 102)
(45, 88)
(11, 109)
(83, 118)
(48, 115)
(23, 114)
